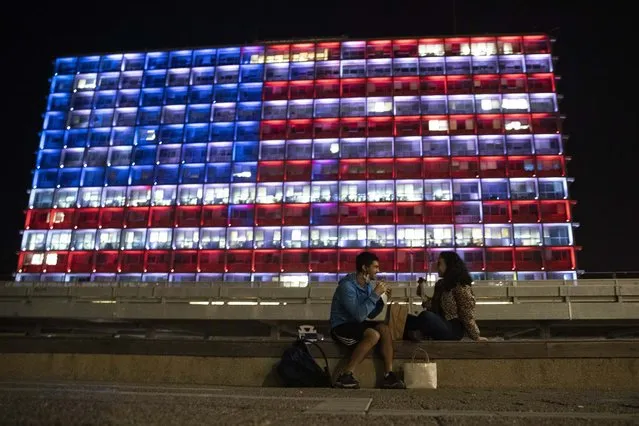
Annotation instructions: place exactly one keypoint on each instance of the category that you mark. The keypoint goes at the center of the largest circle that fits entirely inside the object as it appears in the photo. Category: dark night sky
(594, 46)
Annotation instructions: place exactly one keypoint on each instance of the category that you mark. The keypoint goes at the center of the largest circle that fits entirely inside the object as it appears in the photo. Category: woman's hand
(481, 339)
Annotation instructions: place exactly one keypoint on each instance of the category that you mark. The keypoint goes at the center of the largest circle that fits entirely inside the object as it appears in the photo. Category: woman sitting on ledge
(450, 313)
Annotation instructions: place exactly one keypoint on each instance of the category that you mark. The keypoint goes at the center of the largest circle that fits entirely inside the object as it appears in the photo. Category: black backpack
(298, 368)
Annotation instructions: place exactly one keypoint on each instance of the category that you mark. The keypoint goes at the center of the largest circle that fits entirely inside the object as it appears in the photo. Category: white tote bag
(420, 375)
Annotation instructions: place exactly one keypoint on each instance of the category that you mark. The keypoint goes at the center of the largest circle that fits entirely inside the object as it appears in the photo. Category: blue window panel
(222, 132)
(176, 95)
(152, 97)
(117, 176)
(85, 100)
(134, 62)
(59, 102)
(201, 95)
(251, 54)
(103, 100)
(197, 133)
(142, 175)
(77, 138)
(66, 65)
(167, 174)
(148, 116)
(193, 173)
(195, 153)
(180, 59)
(69, 178)
(250, 92)
(228, 56)
(245, 151)
(248, 131)
(199, 114)
(89, 64)
(102, 118)
(154, 79)
(62, 84)
(157, 60)
(218, 173)
(45, 178)
(145, 155)
(93, 176)
(123, 136)
(244, 172)
(244, 215)
(52, 139)
(108, 81)
(249, 111)
(171, 134)
(99, 137)
(252, 73)
(226, 93)
(49, 159)
(147, 135)
(303, 71)
(55, 121)
(204, 57)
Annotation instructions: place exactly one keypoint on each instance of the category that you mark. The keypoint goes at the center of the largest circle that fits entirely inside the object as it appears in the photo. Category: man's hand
(380, 288)
(389, 292)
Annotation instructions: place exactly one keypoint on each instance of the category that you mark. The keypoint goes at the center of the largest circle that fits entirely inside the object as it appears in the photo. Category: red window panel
(326, 128)
(551, 165)
(112, 217)
(509, 45)
(56, 262)
(275, 90)
(386, 258)
(270, 171)
(136, 217)
(525, 211)
(536, 44)
(298, 170)
(242, 215)
(185, 260)
(461, 167)
(323, 260)
(546, 123)
(544, 83)
(30, 262)
(61, 218)
(408, 126)
(555, 211)
(353, 87)
(517, 123)
(492, 167)
(80, 261)
(404, 48)
(490, 124)
(559, 258)
(411, 260)
(327, 89)
(473, 258)
(300, 129)
(296, 214)
(215, 215)
(107, 261)
(461, 125)
(268, 214)
(499, 259)
(434, 125)
(157, 261)
(456, 46)
(161, 217)
(37, 219)
(273, 130)
(487, 83)
(346, 259)
(459, 84)
(352, 213)
(409, 168)
(295, 260)
(381, 213)
(239, 261)
(132, 261)
(324, 214)
(513, 83)
(188, 216)
(382, 86)
(329, 51)
(214, 260)
(376, 49)
(406, 86)
(521, 166)
(432, 85)
(352, 169)
(353, 127)
(380, 168)
(437, 167)
(438, 212)
(87, 218)
(528, 259)
(410, 213)
(496, 211)
(278, 53)
(302, 89)
(267, 261)
(380, 126)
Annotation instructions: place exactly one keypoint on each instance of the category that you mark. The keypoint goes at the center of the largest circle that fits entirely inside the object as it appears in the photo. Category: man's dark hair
(365, 258)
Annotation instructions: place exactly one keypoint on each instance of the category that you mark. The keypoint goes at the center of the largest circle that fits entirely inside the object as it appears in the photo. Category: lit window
(516, 103)
(484, 49)
(489, 104)
(431, 50)
(36, 259)
(51, 259)
(437, 125)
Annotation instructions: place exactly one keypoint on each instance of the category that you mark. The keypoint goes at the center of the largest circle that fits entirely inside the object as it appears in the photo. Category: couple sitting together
(359, 297)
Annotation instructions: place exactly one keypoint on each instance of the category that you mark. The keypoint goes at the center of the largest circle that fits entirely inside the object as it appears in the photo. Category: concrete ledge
(602, 365)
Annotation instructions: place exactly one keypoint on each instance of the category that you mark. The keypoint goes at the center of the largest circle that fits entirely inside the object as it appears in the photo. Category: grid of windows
(279, 162)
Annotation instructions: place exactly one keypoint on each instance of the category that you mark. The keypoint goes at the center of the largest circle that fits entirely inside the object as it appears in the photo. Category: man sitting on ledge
(356, 299)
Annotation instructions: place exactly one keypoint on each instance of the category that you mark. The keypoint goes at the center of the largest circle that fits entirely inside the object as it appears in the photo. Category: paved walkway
(124, 404)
